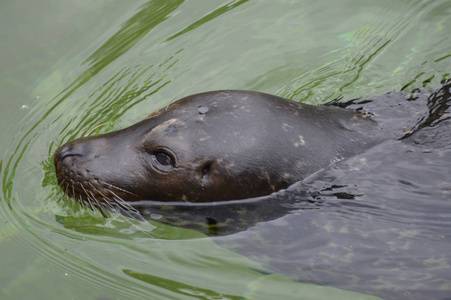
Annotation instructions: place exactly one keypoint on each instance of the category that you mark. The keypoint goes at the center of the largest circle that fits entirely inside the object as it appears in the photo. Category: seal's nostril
(64, 152)
(67, 151)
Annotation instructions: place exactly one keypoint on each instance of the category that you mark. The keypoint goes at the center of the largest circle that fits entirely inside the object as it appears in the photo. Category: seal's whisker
(121, 207)
(63, 180)
(87, 201)
(107, 203)
(118, 201)
(73, 190)
(97, 204)
(65, 184)
(118, 188)
(86, 204)
(125, 209)
(122, 203)
(100, 208)
(106, 200)
(100, 192)
(80, 201)
(89, 204)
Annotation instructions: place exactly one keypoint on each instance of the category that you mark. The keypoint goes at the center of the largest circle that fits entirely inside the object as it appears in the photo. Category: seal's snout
(71, 157)
(72, 165)
(78, 150)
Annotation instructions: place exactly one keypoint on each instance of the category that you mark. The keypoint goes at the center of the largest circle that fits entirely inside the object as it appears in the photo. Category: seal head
(214, 146)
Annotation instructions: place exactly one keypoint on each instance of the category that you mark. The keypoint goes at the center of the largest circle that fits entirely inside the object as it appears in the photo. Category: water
(69, 67)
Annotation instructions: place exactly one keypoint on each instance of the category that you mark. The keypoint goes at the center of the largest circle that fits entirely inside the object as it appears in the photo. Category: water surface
(69, 67)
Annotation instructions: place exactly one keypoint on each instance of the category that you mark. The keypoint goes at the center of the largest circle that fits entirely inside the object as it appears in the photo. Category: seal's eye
(163, 159)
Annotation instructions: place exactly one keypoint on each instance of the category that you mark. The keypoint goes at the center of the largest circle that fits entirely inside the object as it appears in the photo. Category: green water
(69, 66)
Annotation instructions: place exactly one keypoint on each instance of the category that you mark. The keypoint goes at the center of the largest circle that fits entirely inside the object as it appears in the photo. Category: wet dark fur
(222, 145)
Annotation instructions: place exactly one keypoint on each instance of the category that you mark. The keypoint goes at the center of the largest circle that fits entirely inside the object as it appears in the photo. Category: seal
(213, 146)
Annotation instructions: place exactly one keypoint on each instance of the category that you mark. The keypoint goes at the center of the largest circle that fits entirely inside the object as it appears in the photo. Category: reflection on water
(154, 52)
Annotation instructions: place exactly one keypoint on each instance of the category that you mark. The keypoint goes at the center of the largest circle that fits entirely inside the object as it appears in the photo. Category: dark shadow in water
(223, 218)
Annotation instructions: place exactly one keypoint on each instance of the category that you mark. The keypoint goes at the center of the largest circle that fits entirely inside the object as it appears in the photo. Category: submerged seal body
(214, 146)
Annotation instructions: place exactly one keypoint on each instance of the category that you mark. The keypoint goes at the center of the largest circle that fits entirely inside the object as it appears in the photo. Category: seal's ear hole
(206, 170)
